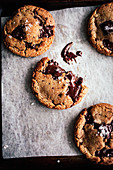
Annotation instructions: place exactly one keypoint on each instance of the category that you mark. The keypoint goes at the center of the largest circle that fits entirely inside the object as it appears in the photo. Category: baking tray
(56, 161)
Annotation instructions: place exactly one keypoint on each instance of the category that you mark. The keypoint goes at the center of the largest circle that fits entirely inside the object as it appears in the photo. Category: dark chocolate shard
(108, 44)
(104, 153)
(19, 33)
(107, 27)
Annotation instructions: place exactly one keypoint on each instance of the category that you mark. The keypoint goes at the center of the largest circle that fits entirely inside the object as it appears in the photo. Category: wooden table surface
(46, 162)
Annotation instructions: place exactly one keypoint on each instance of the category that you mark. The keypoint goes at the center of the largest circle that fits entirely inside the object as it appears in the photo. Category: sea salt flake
(27, 28)
(10, 36)
(26, 20)
(30, 25)
(6, 146)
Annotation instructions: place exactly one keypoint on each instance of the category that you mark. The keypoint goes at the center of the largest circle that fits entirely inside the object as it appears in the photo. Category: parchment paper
(28, 127)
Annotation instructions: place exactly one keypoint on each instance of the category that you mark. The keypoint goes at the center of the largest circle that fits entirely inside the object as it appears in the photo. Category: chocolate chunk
(79, 53)
(104, 153)
(74, 82)
(89, 117)
(104, 130)
(108, 44)
(29, 45)
(54, 69)
(75, 86)
(66, 55)
(107, 27)
(46, 31)
(19, 33)
(37, 16)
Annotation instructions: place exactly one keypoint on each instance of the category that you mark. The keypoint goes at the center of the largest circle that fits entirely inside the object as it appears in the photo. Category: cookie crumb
(58, 161)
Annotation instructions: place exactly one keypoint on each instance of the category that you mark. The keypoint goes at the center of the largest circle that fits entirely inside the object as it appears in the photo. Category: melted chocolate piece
(107, 27)
(66, 55)
(29, 45)
(19, 33)
(54, 69)
(36, 16)
(89, 117)
(74, 87)
(46, 31)
(104, 130)
(108, 44)
(79, 53)
(104, 153)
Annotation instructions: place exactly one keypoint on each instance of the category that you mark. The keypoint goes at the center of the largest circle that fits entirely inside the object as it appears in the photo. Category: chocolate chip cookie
(100, 29)
(30, 32)
(56, 88)
(94, 133)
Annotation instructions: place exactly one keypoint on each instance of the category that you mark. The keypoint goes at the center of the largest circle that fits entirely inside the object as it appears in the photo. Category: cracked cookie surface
(30, 32)
(94, 133)
(100, 29)
(56, 88)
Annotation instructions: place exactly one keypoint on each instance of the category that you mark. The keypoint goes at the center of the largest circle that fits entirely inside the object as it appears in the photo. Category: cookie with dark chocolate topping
(100, 29)
(94, 133)
(30, 32)
(56, 88)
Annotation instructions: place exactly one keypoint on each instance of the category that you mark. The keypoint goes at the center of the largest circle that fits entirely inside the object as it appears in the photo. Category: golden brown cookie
(94, 133)
(100, 29)
(56, 88)
(30, 32)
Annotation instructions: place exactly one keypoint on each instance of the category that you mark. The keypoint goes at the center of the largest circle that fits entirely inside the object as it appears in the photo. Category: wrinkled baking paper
(28, 127)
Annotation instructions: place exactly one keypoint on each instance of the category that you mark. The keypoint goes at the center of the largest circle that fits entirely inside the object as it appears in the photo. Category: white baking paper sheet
(28, 127)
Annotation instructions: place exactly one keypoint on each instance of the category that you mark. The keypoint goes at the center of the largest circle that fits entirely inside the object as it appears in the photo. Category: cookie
(94, 133)
(100, 29)
(30, 32)
(56, 88)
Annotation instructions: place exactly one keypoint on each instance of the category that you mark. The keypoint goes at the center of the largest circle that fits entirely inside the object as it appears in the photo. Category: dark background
(71, 162)
(9, 6)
